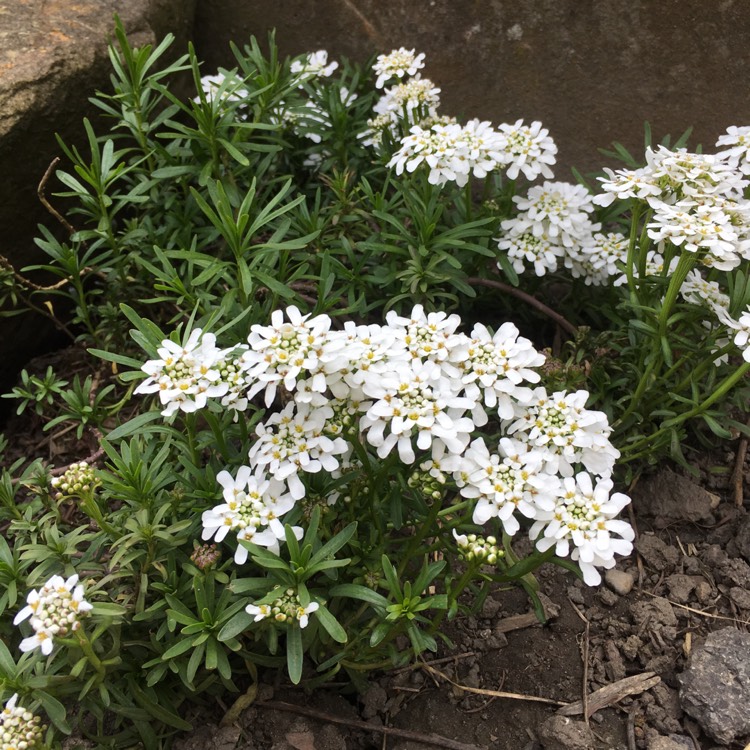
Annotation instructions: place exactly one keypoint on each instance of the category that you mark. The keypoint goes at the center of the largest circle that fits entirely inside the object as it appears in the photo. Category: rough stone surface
(53, 57)
(657, 554)
(742, 540)
(563, 733)
(715, 689)
(669, 497)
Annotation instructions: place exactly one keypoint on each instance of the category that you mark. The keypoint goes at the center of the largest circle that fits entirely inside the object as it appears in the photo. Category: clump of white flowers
(697, 200)
(313, 65)
(408, 110)
(54, 611)
(399, 63)
(415, 389)
(19, 729)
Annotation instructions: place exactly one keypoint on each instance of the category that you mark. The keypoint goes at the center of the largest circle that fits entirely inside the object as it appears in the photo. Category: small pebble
(620, 581)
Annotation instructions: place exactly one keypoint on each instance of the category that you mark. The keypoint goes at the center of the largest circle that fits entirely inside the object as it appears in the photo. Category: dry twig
(738, 475)
(612, 693)
(40, 191)
(492, 693)
(585, 662)
(565, 324)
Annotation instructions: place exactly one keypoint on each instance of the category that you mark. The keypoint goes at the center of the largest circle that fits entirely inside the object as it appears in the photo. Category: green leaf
(294, 653)
(134, 425)
(178, 649)
(54, 709)
(238, 624)
(331, 624)
(362, 593)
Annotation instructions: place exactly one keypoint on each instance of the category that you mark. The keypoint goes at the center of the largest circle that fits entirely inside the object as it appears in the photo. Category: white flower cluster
(19, 729)
(399, 63)
(185, 377)
(313, 65)
(553, 227)
(409, 112)
(697, 200)
(53, 611)
(419, 389)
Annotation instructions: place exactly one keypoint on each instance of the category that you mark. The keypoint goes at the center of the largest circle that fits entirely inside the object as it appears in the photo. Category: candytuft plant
(340, 400)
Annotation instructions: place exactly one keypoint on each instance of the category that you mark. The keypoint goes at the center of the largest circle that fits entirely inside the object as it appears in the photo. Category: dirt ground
(510, 683)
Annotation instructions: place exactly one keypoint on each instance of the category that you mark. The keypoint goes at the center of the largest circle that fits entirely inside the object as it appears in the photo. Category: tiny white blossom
(313, 65)
(54, 611)
(20, 729)
(527, 149)
(397, 64)
(584, 515)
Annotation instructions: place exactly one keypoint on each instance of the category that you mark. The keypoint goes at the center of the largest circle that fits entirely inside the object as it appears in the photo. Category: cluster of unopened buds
(285, 608)
(205, 556)
(478, 549)
(54, 611)
(19, 729)
(78, 479)
(429, 486)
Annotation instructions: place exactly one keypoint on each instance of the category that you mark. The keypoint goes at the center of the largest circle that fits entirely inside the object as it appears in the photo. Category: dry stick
(613, 693)
(46, 203)
(406, 734)
(585, 661)
(738, 475)
(433, 662)
(631, 728)
(565, 324)
(493, 693)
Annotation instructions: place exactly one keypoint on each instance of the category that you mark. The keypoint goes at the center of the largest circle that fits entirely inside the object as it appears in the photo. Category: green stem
(630, 261)
(637, 449)
(416, 541)
(90, 654)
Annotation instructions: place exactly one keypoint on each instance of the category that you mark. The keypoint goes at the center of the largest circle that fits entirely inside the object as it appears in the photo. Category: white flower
(293, 440)
(252, 509)
(313, 65)
(282, 352)
(412, 100)
(185, 376)
(696, 290)
(19, 729)
(283, 606)
(53, 612)
(569, 433)
(599, 259)
(426, 335)
(737, 139)
(585, 515)
(225, 85)
(502, 487)
(528, 149)
(521, 245)
(627, 183)
(399, 63)
(494, 367)
(418, 399)
(555, 210)
(698, 228)
(742, 326)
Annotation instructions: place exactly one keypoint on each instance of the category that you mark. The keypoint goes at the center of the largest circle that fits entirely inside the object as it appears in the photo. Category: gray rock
(715, 689)
(563, 733)
(620, 581)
